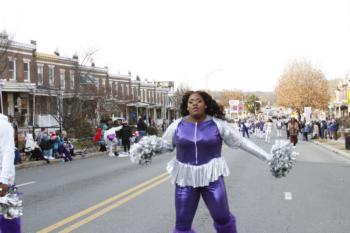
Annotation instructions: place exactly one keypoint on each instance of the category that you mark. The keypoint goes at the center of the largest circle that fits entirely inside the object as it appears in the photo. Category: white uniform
(7, 151)
(111, 139)
(268, 131)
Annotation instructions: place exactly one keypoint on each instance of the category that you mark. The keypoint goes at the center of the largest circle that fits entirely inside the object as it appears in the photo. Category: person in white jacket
(7, 171)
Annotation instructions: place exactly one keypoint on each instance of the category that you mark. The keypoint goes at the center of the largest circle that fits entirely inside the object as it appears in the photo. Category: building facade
(50, 90)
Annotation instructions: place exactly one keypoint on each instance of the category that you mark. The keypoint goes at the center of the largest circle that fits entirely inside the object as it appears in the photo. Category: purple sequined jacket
(198, 150)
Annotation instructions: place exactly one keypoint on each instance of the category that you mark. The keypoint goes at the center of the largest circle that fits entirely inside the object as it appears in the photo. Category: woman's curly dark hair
(213, 108)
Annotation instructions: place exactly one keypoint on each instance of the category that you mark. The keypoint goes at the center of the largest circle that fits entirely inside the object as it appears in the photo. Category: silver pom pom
(284, 158)
(143, 151)
(11, 204)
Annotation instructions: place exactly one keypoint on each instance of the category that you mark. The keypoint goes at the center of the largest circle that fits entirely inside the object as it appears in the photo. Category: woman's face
(196, 105)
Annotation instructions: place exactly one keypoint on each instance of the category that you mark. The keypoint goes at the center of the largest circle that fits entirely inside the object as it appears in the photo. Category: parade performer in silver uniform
(198, 168)
(7, 176)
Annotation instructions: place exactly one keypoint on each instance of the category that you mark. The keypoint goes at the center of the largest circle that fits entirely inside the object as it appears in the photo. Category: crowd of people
(262, 128)
(111, 134)
(48, 146)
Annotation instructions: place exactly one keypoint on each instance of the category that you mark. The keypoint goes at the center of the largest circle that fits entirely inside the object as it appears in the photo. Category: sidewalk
(337, 146)
(28, 164)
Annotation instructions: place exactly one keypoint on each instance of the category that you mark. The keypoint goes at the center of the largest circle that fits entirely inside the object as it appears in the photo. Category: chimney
(56, 52)
(4, 35)
(92, 62)
(33, 42)
(75, 56)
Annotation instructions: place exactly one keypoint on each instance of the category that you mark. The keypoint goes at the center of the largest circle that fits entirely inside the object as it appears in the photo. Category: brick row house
(50, 90)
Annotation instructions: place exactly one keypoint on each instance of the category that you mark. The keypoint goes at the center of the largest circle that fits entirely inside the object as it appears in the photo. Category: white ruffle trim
(197, 176)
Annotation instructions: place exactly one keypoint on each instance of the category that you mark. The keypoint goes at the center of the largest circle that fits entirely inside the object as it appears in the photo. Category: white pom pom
(143, 151)
(284, 158)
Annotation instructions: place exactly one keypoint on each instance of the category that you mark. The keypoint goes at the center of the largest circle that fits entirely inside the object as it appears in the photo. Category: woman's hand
(3, 189)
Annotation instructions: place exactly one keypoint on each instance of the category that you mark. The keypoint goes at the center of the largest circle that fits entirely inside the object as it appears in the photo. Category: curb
(337, 151)
(54, 161)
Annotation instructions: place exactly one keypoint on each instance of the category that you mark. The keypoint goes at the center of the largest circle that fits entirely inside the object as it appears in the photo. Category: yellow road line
(111, 207)
(99, 205)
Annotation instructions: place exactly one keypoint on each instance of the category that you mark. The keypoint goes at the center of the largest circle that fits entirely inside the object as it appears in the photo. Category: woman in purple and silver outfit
(7, 171)
(198, 169)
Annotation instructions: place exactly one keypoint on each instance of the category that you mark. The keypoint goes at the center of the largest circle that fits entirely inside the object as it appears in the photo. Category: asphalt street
(112, 195)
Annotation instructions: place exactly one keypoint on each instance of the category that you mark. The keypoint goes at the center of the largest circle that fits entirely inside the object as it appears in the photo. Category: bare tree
(302, 85)
(73, 108)
(227, 95)
(84, 103)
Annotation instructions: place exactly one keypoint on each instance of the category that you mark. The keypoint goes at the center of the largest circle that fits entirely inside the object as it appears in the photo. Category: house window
(127, 90)
(62, 79)
(12, 68)
(110, 88)
(40, 74)
(122, 90)
(115, 88)
(51, 75)
(26, 70)
(71, 79)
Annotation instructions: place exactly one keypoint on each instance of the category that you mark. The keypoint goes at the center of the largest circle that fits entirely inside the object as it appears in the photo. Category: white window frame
(63, 79)
(105, 83)
(71, 79)
(51, 77)
(26, 61)
(115, 88)
(127, 90)
(41, 68)
(110, 88)
(14, 71)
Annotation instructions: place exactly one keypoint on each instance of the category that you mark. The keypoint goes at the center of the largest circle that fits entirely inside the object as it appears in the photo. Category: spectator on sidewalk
(98, 139)
(315, 131)
(334, 126)
(141, 127)
(40, 135)
(323, 129)
(55, 139)
(305, 130)
(125, 135)
(64, 148)
(329, 123)
(152, 129)
(45, 144)
(7, 171)
(17, 156)
(67, 143)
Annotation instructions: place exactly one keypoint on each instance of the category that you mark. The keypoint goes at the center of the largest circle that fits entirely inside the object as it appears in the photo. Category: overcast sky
(219, 44)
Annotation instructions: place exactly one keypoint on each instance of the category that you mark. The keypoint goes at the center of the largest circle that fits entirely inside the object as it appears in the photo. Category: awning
(138, 104)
